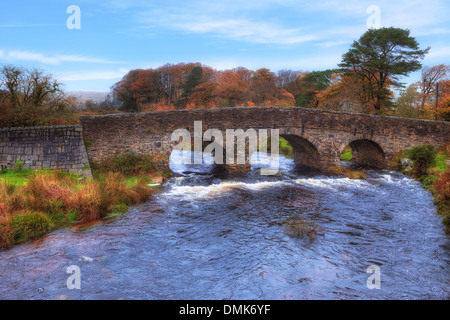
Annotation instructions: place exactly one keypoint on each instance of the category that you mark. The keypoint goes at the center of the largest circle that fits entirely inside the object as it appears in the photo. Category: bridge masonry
(318, 137)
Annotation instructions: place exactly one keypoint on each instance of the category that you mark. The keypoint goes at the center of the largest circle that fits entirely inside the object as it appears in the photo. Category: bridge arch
(305, 152)
(366, 152)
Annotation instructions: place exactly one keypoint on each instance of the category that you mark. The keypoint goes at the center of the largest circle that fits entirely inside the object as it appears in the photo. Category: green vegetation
(422, 157)
(128, 164)
(383, 55)
(284, 147)
(29, 225)
(431, 169)
(18, 164)
(34, 203)
(347, 154)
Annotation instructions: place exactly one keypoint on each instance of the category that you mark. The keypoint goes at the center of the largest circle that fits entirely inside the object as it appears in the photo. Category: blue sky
(117, 35)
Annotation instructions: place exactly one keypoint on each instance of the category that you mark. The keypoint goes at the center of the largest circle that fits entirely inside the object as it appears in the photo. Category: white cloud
(442, 52)
(17, 55)
(260, 21)
(239, 29)
(235, 20)
(31, 25)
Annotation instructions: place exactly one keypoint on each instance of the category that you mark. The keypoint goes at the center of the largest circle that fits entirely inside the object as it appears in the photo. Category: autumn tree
(407, 104)
(443, 110)
(380, 57)
(311, 84)
(204, 95)
(263, 86)
(232, 88)
(123, 92)
(430, 77)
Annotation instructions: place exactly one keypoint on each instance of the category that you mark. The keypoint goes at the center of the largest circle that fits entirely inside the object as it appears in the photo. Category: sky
(90, 45)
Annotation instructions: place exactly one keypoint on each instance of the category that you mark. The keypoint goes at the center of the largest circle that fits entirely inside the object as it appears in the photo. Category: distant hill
(83, 96)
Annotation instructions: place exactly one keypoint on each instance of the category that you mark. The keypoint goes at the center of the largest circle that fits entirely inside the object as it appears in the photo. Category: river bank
(34, 203)
(434, 177)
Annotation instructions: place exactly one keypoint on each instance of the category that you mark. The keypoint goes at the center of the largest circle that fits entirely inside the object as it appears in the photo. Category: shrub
(89, 203)
(127, 164)
(99, 197)
(442, 185)
(5, 235)
(422, 157)
(29, 225)
(49, 192)
(442, 195)
(18, 164)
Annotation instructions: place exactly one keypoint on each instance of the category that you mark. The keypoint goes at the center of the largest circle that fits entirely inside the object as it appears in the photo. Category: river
(206, 236)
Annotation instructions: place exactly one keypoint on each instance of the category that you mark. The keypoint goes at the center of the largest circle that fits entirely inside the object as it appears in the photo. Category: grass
(21, 177)
(16, 177)
(34, 203)
(439, 163)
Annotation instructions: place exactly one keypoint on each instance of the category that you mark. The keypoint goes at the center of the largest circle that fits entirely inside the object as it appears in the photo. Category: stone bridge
(318, 137)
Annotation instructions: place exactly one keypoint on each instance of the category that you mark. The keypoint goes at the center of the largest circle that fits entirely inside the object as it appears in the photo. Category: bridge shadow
(363, 153)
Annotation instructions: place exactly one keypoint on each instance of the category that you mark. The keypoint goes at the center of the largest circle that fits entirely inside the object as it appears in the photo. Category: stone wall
(329, 132)
(58, 147)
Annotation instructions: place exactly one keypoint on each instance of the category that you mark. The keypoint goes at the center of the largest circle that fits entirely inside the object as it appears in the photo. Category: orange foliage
(442, 185)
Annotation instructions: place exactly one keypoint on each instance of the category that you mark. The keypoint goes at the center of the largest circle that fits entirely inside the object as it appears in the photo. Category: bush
(442, 185)
(422, 157)
(29, 225)
(127, 164)
(442, 193)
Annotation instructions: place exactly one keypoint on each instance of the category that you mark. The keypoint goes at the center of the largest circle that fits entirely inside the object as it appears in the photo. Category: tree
(408, 103)
(264, 86)
(380, 57)
(311, 84)
(232, 89)
(122, 91)
(193, 79)
(286, 77)
(27, 87)
(430, 77)
(32, 98)
(443, 110)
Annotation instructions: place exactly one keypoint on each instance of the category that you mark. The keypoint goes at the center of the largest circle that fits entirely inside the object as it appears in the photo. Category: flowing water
(206, 236)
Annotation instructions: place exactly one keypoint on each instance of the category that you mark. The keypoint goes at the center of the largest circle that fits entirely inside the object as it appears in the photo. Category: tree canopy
(380, 57)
